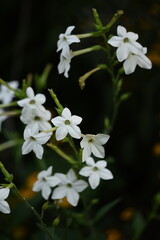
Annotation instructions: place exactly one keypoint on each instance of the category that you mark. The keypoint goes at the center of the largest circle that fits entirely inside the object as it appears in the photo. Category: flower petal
(94, 180)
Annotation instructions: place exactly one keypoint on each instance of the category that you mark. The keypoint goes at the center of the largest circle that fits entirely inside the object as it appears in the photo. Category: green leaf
(105, 209)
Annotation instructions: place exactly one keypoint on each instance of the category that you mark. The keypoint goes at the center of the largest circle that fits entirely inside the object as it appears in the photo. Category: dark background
(29, 33)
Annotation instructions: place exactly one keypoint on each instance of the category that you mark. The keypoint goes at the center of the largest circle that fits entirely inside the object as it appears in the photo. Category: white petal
(69, 30)
(52, 181)
(105, 174)
(40, 98)
(74, 131)
(57, 121)
(61, 133)
(121, 31)
(129, 65)
(144, 62)
(71, 176)
(66, 113)
(42, 137)
(86, 153)
(122, 52)
(86, 171)
(30, 92)
(90, 161)
(72, 197)
(4, 192)
(132, 36)
(115, 41)
(76, 119)
(37, 186)
(94, 180)
(80, 185)
(72, 39)
(46, 190)
(27, 147)
(97, 150)
(4, 207)
(59, 192)
(101, 138)
(38, 150)
(101, 164)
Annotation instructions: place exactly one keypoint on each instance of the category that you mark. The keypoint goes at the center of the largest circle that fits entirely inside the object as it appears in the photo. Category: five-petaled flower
(64, 64)
(95, 171)
(6, 95)
(65, 39)
(4, 206)
(45, 182)
(67, 124)
(93, 144)
(69, 187)
(32, 100)
(133, 60)
(33, 140)
(125, 42)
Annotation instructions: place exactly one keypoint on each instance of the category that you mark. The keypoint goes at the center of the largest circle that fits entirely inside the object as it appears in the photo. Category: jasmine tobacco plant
(83, 159)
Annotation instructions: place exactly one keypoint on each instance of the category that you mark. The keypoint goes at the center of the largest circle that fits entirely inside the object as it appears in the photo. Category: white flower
(6, 95)
(69, 187)
(133, 60)
(67, 123)
(126, 43)
(45, 182)
(93, 144)
(65, 40)
(32, 100)
(2, 118)
(64, 64)
(34, 140)
(95, 171)
(4, 206)
(32, 116)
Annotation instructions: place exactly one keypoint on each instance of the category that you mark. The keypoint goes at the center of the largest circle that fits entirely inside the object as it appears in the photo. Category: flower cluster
(68, 185)
(66, 55)
(36, 118)
(6, 97)
(129, 50)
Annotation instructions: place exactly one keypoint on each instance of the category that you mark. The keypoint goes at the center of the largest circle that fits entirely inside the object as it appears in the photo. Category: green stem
(9, 178)
(8, 105)
(8, 144)
(59, 105)
(61, 153)
(11, 113)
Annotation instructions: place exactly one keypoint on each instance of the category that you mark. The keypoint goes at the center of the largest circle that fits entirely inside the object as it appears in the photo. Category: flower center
(37, 118)
(32, 101)
(91, 140)
(95, 169)
(69, 185)
(67, 122)
(126, 40)
(32, 138)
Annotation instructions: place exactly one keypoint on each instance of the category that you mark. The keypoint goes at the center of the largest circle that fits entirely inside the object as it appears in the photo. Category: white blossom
(6, 95)
(93, 144)
(69, 187)
(64, 64)
(2, 118)
(32, 116)
(34, 140)
(125, 42)
(45, 182)
(65, 39)
(4, 206)
(67, 124)
(95, 171)
(139, 59)
(32, 100)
